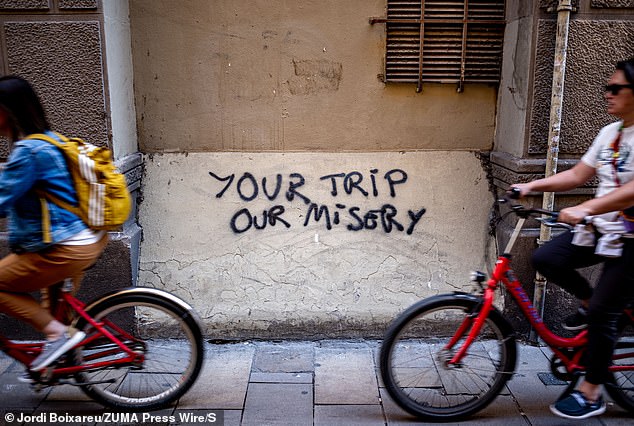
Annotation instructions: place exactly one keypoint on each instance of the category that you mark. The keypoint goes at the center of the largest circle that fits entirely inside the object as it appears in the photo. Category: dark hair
(25, 110)
(628, 69)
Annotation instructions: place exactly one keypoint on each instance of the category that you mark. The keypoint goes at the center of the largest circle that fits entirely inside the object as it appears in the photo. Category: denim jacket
(35, 164)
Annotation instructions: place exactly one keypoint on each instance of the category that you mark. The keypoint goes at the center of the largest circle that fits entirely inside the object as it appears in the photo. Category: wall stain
(315, 76)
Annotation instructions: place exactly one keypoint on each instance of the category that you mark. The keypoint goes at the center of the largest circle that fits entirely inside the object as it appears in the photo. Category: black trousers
(558, 260)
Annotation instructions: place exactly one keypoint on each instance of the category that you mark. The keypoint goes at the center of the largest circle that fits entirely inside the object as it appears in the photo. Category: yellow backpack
(102, 192)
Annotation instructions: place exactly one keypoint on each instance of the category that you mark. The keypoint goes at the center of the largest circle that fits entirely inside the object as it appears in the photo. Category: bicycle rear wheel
(621, 387)
(165, 331)
(414, 358)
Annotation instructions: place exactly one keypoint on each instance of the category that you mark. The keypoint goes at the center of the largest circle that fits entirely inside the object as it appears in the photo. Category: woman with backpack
(36, 262)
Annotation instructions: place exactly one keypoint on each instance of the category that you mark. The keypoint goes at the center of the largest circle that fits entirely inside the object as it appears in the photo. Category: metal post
(556, 100)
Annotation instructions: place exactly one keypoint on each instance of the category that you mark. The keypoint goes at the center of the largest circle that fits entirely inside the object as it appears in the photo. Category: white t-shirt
(600, 156)
(83, 238)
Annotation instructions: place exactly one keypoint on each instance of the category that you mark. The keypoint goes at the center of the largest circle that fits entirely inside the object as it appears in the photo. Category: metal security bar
(443, 41)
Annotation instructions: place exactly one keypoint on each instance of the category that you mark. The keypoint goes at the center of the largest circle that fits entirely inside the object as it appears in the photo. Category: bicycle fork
(472, 324)
(474, 321)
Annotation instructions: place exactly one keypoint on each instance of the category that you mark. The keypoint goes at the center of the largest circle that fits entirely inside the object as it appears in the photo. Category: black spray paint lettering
(228, 178)
(370, 219)
(353, 181)
(385, 217)
(414, 218)
(243, 220)
(248, 189)
(292, 188)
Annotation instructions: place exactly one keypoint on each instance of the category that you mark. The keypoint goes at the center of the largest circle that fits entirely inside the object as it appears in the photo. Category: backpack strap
(46, 222)
(44, 196)
(60, 203)
(47, 138)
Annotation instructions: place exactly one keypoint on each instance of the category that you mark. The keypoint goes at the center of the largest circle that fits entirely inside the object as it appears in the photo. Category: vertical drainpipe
(556, 100)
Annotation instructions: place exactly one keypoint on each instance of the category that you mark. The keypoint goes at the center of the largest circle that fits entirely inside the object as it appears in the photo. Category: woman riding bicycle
(35, 264)
(611, 159)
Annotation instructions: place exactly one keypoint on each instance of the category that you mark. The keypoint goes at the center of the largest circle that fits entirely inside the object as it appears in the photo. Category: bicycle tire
(172, 344)
(621, 384)
(413, 367)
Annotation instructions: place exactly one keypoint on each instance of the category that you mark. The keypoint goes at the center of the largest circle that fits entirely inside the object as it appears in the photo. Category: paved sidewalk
(328, 382)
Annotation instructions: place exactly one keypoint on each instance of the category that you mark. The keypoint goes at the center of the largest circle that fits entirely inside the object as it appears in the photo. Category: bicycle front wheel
(415, 353)
(154, 324)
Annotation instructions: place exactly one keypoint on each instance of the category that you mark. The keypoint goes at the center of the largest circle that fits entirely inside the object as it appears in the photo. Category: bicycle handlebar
(524, 212)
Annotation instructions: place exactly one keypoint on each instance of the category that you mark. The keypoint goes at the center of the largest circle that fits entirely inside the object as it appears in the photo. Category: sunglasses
(614, 89)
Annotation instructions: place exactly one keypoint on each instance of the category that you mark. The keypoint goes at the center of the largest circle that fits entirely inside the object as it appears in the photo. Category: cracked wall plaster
(307, 280)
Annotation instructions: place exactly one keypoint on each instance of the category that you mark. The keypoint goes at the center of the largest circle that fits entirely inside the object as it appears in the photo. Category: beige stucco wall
(305, 279)
(235, 75)
(291, 88)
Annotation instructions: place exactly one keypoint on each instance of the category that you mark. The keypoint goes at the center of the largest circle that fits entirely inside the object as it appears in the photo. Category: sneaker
(577, 321)
(56, 348)
(576, 406)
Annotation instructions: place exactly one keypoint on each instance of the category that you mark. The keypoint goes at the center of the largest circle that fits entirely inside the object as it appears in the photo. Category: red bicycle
(143, 348)
(448, 356)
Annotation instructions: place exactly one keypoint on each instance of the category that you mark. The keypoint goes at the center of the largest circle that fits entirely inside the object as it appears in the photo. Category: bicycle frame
(25, 353)
(503, 273)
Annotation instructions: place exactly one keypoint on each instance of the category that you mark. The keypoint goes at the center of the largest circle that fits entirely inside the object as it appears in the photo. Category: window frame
(420, 34)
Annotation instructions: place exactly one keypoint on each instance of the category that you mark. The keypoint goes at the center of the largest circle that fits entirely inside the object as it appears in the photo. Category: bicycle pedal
(40, 386)
(47, 374)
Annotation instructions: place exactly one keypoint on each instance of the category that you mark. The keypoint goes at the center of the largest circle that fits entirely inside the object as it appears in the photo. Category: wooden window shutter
(461, 41)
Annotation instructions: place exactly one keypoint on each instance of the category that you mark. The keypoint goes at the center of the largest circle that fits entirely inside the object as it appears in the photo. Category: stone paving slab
(287, 357)
(66, 393)
(278, 404)
(345, 375)
(281, 378)
(349, 415)
(14, 394)
(5, 362)
(616, 417)
(502, 411)
(223, 381)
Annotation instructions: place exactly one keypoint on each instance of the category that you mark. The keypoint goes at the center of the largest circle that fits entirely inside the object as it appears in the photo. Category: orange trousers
(24, 273)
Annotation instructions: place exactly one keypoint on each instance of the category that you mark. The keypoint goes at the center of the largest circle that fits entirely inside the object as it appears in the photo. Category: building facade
(288, 184)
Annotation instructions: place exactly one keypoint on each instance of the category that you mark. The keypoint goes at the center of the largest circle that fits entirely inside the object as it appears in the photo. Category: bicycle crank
(558, 369)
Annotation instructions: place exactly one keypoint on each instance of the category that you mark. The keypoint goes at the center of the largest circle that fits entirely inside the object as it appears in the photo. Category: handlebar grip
(514, 193)
(552, 223)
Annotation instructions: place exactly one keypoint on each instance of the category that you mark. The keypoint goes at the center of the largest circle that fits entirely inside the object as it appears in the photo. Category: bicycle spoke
(169, 354)
(416, 369)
